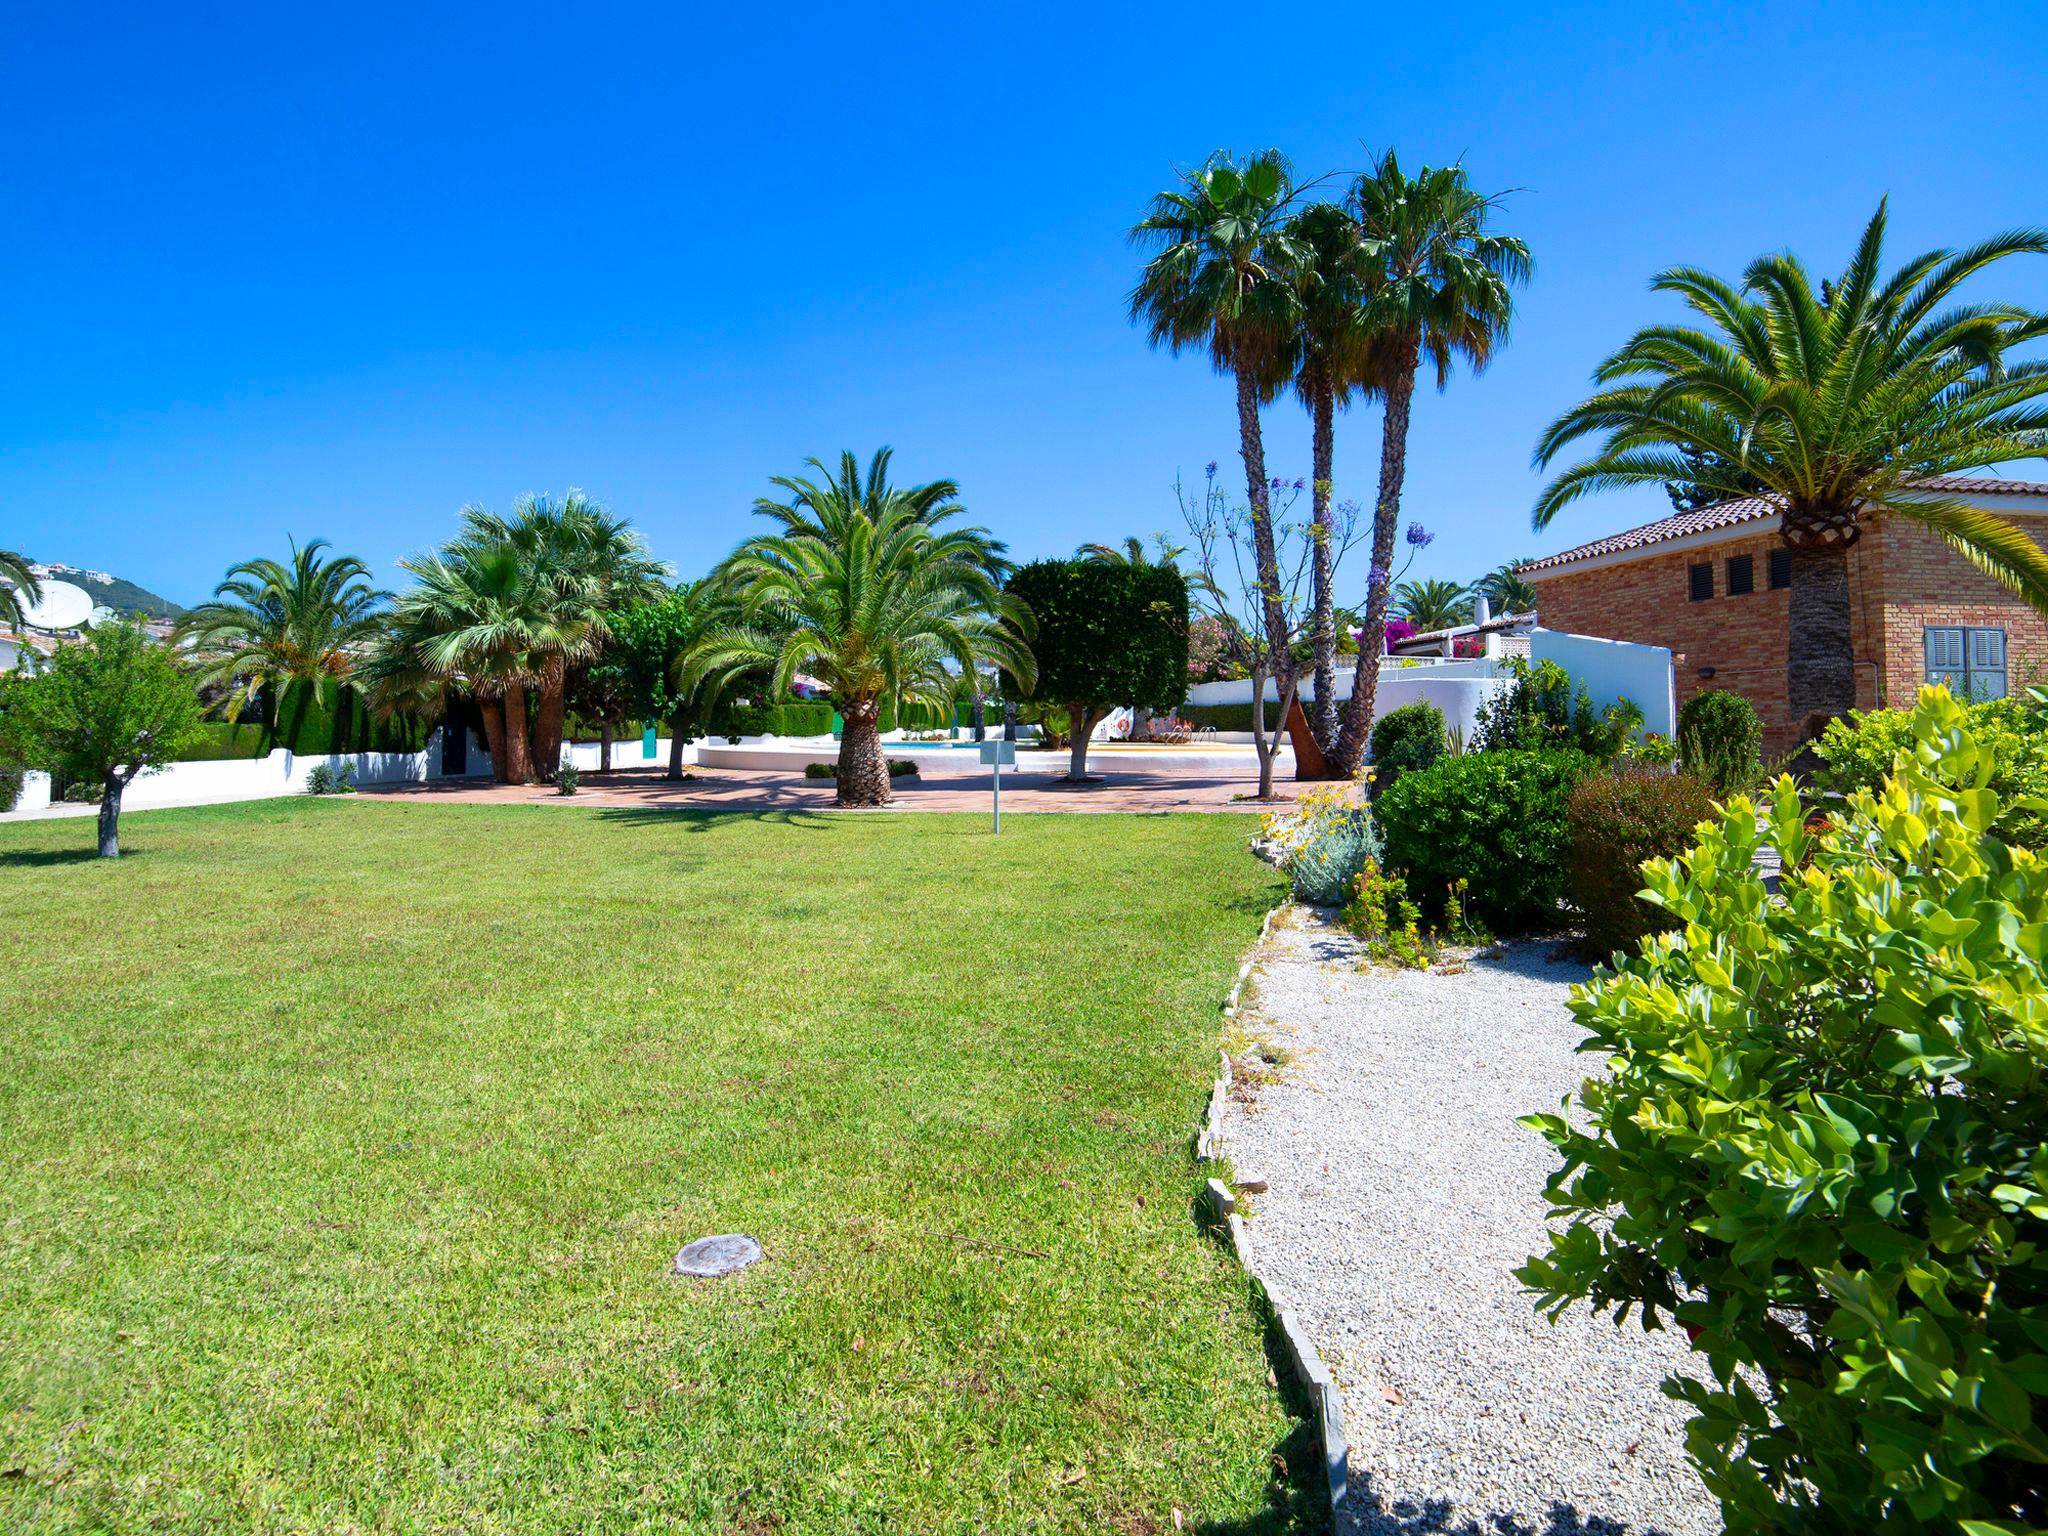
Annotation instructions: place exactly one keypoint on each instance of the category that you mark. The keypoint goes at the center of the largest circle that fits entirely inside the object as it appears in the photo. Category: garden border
(1325, 1397)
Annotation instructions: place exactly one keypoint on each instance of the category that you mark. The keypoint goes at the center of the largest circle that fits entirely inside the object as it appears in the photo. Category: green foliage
(1540, 710)
(112, 705)
(568, 779)
(1380, 913)
(899, 768)
(1107, 635)
(792, 717)
(1819, 1147)
(1720, 740)
(11, 776)
(326, 717)
(649, 644)
(1406, 739)
(1617, 821)
(1225, 717)
(222, 741)
(327, 779)
(820, 771)
(1859, 751)
(1493, 819)
(1330, 858)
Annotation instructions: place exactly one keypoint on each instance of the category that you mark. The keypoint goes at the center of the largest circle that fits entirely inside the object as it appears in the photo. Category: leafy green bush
(1406, 739)
(1227, 717)
(11, 776)
(820, 771)
(223, 742)
(1495, 819)
(792, 717)
(1542, 711)
(899, 768)
(1330, 859)
(1615, 822)
(1858, 753)
(568, 779)
(1720, 740)
(1821, 1146)
(326, 779)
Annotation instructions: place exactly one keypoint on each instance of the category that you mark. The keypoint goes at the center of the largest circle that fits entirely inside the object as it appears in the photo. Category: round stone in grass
(709, 1257)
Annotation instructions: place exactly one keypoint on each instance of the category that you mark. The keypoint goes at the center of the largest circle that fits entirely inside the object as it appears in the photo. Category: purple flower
(1348, 508)
(1299, 483)
(1420, 536)
(1377, 578)
(1212, 469)
(1274, 483)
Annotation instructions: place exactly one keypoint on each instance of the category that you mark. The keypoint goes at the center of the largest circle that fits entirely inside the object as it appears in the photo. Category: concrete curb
(1325, 1399)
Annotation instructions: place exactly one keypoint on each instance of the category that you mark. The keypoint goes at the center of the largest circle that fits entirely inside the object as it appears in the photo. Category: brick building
(1711, 585)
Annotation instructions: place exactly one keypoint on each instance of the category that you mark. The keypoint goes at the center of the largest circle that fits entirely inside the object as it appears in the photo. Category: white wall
(1615, 669)
(1458, 688)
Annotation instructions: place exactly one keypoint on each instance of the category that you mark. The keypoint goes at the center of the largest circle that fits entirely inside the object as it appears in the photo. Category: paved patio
(1208, 785)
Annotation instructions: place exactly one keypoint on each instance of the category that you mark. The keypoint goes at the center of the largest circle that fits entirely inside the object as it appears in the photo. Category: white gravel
(1401, 1196)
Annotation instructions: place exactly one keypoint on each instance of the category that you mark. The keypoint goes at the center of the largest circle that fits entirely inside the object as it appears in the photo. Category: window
(1970, 661)
(1702, 577)
(1781, 569)
(1741, 575)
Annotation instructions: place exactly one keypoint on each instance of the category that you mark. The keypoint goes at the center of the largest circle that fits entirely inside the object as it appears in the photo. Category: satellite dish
(100, 615)
(62, 606)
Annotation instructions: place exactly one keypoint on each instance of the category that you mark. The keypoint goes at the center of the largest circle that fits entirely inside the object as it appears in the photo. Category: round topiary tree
(1720, 740)
(1406, 739)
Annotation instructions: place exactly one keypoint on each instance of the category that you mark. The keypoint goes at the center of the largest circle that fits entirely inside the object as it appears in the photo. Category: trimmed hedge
(224, 742)
(1616, 822)
(1495, 819)
(1720, 739)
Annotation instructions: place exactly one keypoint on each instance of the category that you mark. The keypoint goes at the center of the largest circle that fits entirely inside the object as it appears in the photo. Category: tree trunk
(1820, 652)
(604, 746)
(493, 713)
(1322, 625)
(1141, 719)
(676, 733)
(110, 815)
(1081, 720)
(518, 768)
(547, 721)
(1252, 443)
(863, 770)
(980, 718)
(1386, 519)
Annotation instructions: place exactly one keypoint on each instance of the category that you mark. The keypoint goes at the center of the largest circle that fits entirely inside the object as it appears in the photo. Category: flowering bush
(1397, 631)
(1821, 1146)
(1858, 752)
(1324, 843)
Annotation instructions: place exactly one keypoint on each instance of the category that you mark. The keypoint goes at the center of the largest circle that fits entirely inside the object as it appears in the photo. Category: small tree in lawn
(1229, 561)
(105, 710)
(649, 646)
(1107, 635)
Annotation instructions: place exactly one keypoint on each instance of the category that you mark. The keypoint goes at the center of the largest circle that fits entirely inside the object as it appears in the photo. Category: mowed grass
(348, 1146)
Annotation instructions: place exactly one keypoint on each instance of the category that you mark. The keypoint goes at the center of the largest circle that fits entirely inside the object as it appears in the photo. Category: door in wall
(454, 746)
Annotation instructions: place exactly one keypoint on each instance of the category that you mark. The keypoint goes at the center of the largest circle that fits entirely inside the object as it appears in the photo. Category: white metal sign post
(995, 754)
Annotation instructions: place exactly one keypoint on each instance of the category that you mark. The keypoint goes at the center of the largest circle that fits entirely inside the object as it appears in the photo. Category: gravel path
(1402, 1194)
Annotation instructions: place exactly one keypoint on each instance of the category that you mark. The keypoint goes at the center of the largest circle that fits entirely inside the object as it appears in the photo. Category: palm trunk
(1080, 724)
(1252, 442)
(1820, 652)
(518, 767)
(493, 712)
(547, 720)
(110, 814)
(980, 718)
(863, 771)
(1323, 721)
(1386, 519)
(604, 746)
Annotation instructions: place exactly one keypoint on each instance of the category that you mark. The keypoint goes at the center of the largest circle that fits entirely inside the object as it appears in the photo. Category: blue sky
(335, 272)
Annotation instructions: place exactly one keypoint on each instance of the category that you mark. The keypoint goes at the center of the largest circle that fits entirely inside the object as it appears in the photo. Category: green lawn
(348, 1143)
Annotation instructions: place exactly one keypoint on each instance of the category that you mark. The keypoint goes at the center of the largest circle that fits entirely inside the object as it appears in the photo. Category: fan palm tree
(586, 561)
(1334, 356)
(1434, 604)
(283, 626)
(1438, 288)
(19, 590)
(1838, 405)
(1220, 280)
(1506, 590)
(864, 587)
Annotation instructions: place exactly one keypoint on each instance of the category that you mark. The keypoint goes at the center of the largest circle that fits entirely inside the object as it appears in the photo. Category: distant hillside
(113, 591)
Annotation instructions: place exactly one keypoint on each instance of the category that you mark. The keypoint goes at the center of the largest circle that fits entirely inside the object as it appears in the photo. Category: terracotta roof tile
(1749, 509)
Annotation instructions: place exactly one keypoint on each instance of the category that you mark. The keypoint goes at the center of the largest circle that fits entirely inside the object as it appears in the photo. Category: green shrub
(792, 717)
(1858, 752)
(1818, 1145)
(82, 792)
(326, 779)
(1329, 860)
(820, 771)
(1407, 739)
(567, 779)
(1615, 821)
(1224, 717)
(1495, 819)
(11, 776)
(223, 742)
(1720, 740)
(899, 768)
(1541, 710)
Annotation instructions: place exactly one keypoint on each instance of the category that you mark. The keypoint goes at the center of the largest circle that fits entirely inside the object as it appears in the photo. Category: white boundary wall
(1458, 688)
(1615, 669)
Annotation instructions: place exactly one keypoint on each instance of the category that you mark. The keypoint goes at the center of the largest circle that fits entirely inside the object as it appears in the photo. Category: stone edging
(1325, 1399)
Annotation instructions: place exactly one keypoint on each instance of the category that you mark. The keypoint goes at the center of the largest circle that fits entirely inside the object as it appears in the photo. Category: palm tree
(1220, 279)
(1438, 288)
(283, 626)
(19, 590)
(1334, 356)
(1434, 604)
(1838, 406)
(863, 586)
(587, 561)
(1506, 591)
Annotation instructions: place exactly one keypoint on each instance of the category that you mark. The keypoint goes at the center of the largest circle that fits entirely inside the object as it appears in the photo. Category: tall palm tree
(864, 586)
(1434, 604)
(284, 626)
(1334, 355)
(1439, 288)
(1220, 280)
(1838, 405)
(19, 590)
(585, 561)
(1506, 590)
